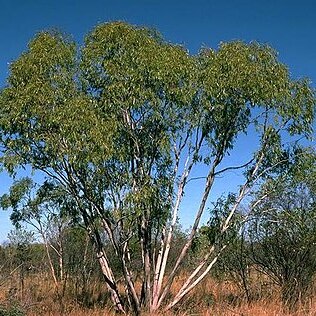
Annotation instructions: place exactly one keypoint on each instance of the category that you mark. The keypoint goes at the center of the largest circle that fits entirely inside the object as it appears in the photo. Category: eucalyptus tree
(121, 123)
(43, 209)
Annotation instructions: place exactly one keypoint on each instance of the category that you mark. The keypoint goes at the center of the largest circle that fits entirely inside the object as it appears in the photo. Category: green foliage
(80, 101)
(17, 193)
(211, 233)
(39, 206)
(11, 311)
(20, 238)
(20, 241)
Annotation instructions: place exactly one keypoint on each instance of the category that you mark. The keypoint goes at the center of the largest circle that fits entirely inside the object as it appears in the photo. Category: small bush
(11, 311)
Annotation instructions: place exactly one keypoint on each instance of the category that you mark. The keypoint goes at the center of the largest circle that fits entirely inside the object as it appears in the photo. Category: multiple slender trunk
(155, 247)
(155, 283)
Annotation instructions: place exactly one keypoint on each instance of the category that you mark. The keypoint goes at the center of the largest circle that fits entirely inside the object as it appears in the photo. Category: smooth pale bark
(209, 183)
(51, 266)
(166, 244)
(159, 298)
(129, 281)
(109, 279)
(188, 286)
(186, 290)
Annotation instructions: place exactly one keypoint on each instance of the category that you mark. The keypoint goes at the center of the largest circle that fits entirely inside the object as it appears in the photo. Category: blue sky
(288, 26)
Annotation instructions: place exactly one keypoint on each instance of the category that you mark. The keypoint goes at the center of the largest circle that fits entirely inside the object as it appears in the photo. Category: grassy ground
(211, 298)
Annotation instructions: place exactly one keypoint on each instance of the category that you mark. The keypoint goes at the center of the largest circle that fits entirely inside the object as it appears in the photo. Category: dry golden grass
(211, 298)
